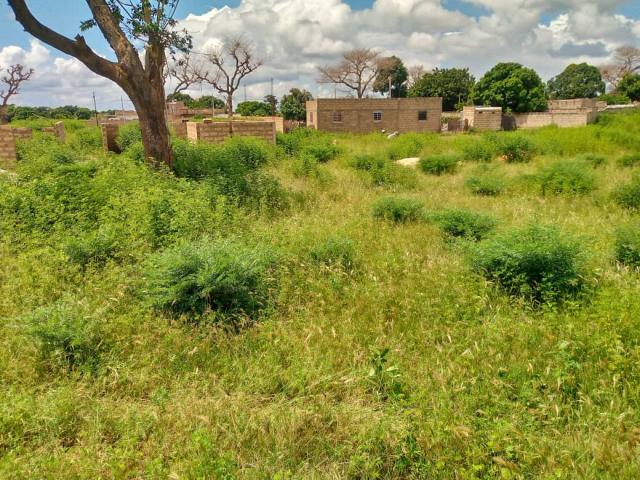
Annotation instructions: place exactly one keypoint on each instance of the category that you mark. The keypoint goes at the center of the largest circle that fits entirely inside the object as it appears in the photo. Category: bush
(628, 196)
(368, 162)
(439, 164)
(538, 263)
(630, 160)
(322, 150)
(628, 244)
(222, 277)
(516, 149)
(479, 150)
(334, 252)
(566, 176)
(398, 209)
(86, 139)
(95, 249)
(67, 337)
(485, 181)
(128, 134)
(460, 223)
(405, 146)
(592, 160)
(252, 153)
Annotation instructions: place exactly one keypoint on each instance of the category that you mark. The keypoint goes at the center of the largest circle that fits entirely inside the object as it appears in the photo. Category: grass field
(316, 311)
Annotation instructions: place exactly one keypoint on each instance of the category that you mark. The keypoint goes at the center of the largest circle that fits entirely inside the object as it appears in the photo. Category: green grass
(250, 317)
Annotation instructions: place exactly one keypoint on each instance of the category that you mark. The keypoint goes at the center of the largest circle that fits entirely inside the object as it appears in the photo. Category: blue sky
(294, 37)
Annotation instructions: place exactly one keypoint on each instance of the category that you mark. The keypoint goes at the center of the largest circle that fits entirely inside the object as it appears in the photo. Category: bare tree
(185, 71)
(123, 22)
(626, 59)
(416, 72)
(232, 61)
(16, 74)
(357, 70)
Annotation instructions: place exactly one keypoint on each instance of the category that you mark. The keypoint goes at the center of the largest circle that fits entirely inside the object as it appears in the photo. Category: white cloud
(295, 36)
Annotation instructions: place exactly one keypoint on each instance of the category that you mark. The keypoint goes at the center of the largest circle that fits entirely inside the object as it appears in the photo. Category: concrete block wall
(57, 131)
(109, 135)
(218, 132)
(542, 119)
(263, 130)
(572, 104)
(7, 148)
(482, 118)
(179, 129)
(22, 133)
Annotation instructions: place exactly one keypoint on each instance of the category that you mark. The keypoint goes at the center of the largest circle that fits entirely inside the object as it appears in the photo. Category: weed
(398, 209)
(459, 223)
(566, 176)
(516, 149)
(439, 164)
(627, 244)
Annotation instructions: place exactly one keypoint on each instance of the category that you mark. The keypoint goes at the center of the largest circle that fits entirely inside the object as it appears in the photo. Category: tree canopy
(205, 101)
(454, 85)
(254, 108)
(293, 106)
(391, 68)
(629, 86)
(513, 87)
(577, 81)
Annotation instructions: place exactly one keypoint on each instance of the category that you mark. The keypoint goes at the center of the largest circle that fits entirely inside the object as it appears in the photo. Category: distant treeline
(68, 111)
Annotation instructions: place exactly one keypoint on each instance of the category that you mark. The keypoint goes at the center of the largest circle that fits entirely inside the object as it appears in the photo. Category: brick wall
(569, 119)
(57, 131)
(358, 115)
(7, 148)
(22, 133)
(109, 134)
(263, 130)
(179, 128)
(482, 118)
(573, 104)
(218, 132)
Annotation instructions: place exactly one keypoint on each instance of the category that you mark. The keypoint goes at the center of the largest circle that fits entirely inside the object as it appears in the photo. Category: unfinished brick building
(482, 118)
(375, 114)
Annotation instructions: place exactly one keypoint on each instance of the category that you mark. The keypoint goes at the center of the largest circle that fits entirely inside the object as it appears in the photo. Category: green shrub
(368, 162)
(405, 146)
(537, 262)
(566, 176)
(322, 149)
(398, 209)
(627, 244)
(628, 196)
(95, 248)
(630, 160)
(250, 152)
(293, 141)
(480, 150)
(592, 160)
(439, 164)
(128, 134)
(67, 337)
(223, 277)
(516, 149)
(334, 252)
(86, 139)
(384, 173)
(486, 181)
(460, 223)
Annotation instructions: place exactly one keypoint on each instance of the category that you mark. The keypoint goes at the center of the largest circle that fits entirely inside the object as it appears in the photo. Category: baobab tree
(626, 59)
(356, 71)
(123, 22)
(16, 75)
(231, 62)
(185, 72)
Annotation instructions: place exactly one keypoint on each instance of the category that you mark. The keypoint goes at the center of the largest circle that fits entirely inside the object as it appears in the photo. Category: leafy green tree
(293, 106)
(454, 85)
(614, 99)
(205, 101)
(513, 87)
(577, 81)
(391, 68)
(273, 103)
(254, 108)
(629, 86)
(180, 97)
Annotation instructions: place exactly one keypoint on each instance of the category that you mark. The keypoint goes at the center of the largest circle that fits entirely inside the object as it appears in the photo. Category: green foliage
(627, 244)
(454, 85)
(382, 172)
(59, 113)
(368, 162)
(460, 223)
(628, 196)
(68, 337)
(629, 86)
(629, 160)
(95, 248)
(391, 67)
(336, 251)
(537, 262)
(86, 139)
(486, 181)
(398, 209)
(293, 106)
(223, 277)
(254, 108)
(614, 99)
(405, 146)
(577, 81)
(481, 150)
(512, 87)
(439, 164)
(205, 101)
(384, 379)
(566, 176)
(322, 149)
(516, 149)
(128, 135)
(592, 160)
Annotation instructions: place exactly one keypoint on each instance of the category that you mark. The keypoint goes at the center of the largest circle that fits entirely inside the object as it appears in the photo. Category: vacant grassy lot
(316, 311)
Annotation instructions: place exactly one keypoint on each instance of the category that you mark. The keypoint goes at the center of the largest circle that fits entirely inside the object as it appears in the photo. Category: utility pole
(122, 103)
(390, 86)
(95, 108)
(213, 104)
(245, 93)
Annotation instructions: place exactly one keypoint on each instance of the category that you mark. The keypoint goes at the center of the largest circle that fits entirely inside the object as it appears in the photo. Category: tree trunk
(4, 114)
(155, 133)
(230, 105)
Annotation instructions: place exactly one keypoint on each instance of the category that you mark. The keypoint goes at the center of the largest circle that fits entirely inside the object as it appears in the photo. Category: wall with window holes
(375, 114)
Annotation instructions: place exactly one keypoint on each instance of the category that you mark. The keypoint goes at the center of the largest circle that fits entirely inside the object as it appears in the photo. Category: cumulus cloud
(294, 37)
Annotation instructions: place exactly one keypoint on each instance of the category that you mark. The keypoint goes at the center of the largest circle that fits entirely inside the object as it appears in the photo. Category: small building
(482, 118)
(362, 115)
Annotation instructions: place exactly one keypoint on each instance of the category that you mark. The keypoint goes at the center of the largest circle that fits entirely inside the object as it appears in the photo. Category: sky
(294, 37)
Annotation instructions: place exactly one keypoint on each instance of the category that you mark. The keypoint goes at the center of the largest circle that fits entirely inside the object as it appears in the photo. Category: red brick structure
(375, 114)
(7, 148)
